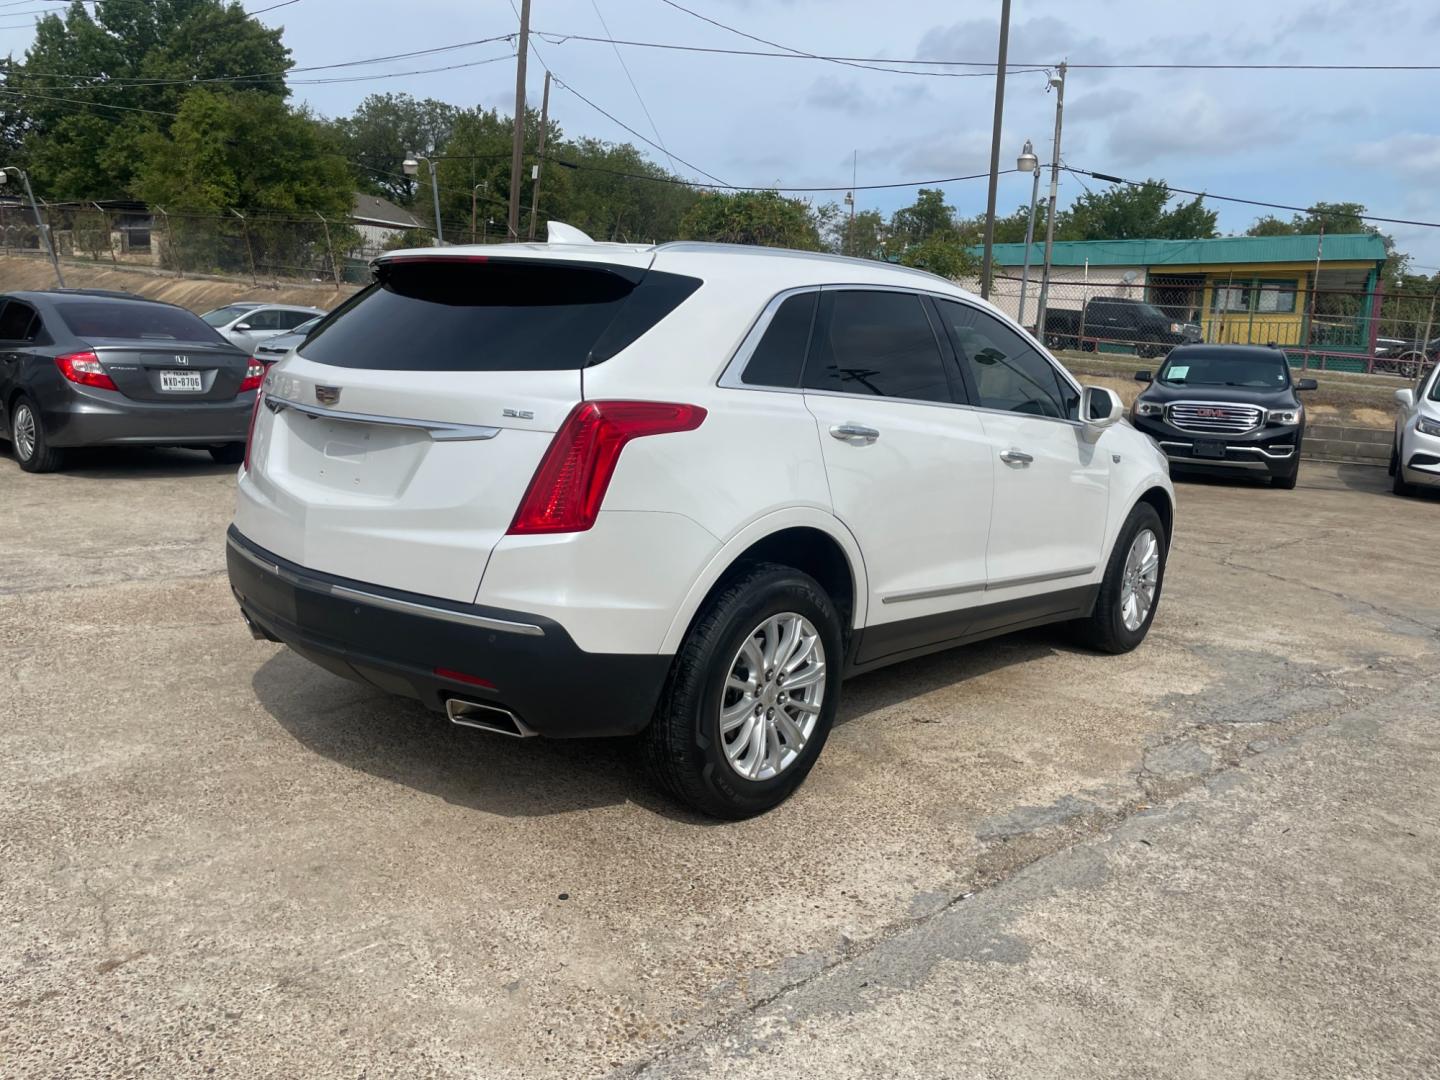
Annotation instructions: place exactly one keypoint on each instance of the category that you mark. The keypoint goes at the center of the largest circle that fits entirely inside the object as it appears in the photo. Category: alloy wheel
(1140, 581)
(24, 433)
(772, 696)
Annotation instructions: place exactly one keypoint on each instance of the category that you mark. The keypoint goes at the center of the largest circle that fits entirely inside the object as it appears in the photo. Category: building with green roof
(1309, 293)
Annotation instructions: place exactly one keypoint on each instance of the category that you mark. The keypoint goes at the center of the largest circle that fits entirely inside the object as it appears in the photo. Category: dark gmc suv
(1118, 320)
(1228, 407)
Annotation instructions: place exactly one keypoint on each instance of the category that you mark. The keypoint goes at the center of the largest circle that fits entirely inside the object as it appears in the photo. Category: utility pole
(41, 229)
(985, 262)
(850, 198)
(517, 151)
(1057, 81)
(539, 156)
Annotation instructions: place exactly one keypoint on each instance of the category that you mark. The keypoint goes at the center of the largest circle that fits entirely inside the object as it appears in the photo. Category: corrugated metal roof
(1341, 247)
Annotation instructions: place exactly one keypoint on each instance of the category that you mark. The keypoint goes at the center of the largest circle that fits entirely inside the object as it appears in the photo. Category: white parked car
(247, 324)
(576, 489)
(1415, 460)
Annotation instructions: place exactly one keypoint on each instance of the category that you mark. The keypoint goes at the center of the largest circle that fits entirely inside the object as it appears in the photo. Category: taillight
(84, 368)
(569, 485)
(250, 431)
(254, 376)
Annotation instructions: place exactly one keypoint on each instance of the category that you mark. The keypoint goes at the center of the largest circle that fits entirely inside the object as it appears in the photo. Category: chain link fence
(1340, 325)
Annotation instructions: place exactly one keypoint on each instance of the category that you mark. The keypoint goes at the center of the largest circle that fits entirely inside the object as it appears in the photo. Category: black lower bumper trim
(397, 641)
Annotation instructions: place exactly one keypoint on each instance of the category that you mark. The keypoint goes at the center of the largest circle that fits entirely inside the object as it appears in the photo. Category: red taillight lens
(460, 676)
(568, 487)
(254, 376)
(250, 431)
(84, 368)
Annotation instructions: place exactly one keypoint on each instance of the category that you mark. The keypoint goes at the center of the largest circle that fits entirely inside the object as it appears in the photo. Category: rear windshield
(494, 316)
(135, 321)
(221, 316)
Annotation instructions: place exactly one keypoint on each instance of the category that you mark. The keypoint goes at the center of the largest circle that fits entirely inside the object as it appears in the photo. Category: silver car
(247, 324)
(1415, 461)
(274, 349)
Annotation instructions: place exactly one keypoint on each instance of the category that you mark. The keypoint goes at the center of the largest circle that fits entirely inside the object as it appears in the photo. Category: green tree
(384, 129)
(145, 59)
(930, 236)
(1135, 212)
(766, 218)
(929, 214)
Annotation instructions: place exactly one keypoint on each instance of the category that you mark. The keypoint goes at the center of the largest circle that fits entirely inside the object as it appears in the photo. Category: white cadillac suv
(574, 488)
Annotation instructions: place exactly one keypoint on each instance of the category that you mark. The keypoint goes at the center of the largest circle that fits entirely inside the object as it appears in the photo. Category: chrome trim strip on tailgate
(439, 430)
(408, 607)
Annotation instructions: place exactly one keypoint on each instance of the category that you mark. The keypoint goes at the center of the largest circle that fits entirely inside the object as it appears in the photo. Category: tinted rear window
(494, 316)
(137, 321)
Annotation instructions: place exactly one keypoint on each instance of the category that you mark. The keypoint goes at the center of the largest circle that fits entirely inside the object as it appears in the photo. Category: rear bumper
(400, 642)
(79, 417)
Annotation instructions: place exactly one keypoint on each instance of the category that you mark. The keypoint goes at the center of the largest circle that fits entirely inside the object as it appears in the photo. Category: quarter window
(1005, 370)
(879, 344)
(780, 355)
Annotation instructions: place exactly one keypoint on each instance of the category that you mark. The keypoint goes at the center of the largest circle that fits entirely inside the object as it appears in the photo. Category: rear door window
(876, 343)
(446, 315)
(780, 354)
(289, 320)
(137, 321)
(18, 321)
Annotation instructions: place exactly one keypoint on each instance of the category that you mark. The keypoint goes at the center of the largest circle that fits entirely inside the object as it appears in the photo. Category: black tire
(1394, 461)
(1398, 484)
(42, 457)
(1287, 481)
(683, 745)
(1105, 629)
(230, 453)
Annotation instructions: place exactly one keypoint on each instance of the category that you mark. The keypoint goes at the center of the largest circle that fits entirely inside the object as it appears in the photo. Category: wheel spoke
(794, 737)
(807, 647)
(754, 658)
(808, 676)
(789, 639)
(731, 716)
(735, 749)
(811, 707)
(756, 750)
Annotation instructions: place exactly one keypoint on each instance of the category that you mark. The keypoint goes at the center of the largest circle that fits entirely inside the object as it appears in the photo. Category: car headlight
(1149, 408)
(1284, 416)
(1177, 328)
(1426, 426)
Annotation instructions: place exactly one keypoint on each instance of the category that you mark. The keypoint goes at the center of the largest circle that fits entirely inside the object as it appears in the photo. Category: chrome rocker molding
(437, 430)
(388, 602)
(985, 586)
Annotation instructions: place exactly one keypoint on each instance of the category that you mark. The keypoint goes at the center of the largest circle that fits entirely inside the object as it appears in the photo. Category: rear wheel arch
(833, 560)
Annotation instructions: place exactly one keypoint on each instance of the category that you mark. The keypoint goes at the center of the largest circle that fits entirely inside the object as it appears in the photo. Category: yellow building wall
(1257, 327)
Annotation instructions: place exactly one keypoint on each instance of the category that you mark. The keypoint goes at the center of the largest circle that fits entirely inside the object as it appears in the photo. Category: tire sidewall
(1142, 517)
(787, 593)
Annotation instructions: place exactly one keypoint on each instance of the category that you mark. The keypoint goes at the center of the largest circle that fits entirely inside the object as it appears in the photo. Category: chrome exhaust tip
(489, 718)
(255, 631)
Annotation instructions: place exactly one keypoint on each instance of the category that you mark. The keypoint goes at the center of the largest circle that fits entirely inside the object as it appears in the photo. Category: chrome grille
(1215, 417)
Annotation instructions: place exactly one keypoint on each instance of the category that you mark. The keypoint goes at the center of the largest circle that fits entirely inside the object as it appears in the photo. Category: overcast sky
(1289, 137)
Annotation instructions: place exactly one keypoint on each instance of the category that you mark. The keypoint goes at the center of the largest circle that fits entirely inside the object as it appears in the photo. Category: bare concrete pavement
(218, 860)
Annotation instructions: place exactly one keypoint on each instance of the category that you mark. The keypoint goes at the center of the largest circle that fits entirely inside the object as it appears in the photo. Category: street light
(486, 185)
(39, 225)
(1028, 162)
(411, 167)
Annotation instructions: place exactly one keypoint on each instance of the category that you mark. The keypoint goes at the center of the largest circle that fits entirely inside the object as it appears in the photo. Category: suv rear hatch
(396, 446)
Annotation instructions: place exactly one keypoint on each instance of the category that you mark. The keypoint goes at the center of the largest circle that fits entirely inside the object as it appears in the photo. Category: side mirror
(1099, 409)
(243, 326)
(1405, 398)
(1144, 376)
(1307, 384)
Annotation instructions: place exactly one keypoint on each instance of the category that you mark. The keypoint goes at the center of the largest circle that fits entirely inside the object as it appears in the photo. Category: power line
(272, 7)
(1247, 202)
(769, 187)
(626, 68)
(1014, 67)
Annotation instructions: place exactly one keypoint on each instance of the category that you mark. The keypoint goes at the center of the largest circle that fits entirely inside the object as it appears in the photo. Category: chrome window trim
(408, 607)
(730, 376)
(440, 431)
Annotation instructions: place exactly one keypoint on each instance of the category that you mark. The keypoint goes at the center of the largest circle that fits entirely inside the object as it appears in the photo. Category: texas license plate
(1209, 449)
(180, 380)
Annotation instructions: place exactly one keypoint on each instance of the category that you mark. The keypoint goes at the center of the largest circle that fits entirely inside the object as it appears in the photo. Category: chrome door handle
(854, 431)
(1015, 457)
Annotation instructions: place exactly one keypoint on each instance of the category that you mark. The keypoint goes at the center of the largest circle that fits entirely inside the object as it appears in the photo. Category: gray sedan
(85, 368)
